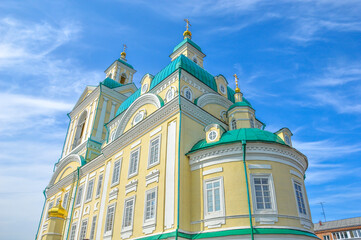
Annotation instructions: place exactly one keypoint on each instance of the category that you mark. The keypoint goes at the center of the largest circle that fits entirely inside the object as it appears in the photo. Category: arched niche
(66, 166)
(148, 98)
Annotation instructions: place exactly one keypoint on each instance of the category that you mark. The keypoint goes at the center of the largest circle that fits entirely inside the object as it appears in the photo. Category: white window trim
(77, 195)
(101, 186)
(74, 224)
(224, 87)
(144, 88)
(150, 224)
(187, 88)
(130, 156)
(120, 168)
(143, 113)
(302, 216)
(262, 217)
(81, 226)
(215, 219)
(208, 135)
(159, 137)
(64, 204)
(86, 194)
(173, 90)
(126, 232)
(47, 212)
(110, 232)
(91, 226)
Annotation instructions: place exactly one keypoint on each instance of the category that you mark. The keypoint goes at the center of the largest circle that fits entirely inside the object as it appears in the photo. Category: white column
(72, 134)
(85, 135)
(71, 125)
(98, 135)
(92, 117)
(72, 199)
(102, 201)
(112, 111)
(118, 73)
(170, 176)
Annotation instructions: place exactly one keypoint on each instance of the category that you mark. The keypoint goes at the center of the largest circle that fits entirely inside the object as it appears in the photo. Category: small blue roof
(187, 40)
(110, 83)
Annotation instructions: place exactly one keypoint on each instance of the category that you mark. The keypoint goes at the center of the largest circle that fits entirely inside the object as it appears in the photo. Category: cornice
(92, 97)
(213, 98)
(187, 45)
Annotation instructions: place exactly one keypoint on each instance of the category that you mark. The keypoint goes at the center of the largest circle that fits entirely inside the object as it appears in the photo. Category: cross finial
(236, 80)
(123, 54)
(188, 24)
(124, 47)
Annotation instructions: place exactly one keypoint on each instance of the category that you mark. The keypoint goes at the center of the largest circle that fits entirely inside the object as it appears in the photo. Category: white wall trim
(259, 166)
(213, 170)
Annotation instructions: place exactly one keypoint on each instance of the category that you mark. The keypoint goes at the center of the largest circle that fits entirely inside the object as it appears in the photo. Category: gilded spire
(236, 79)
(187, 33)
(123, 54)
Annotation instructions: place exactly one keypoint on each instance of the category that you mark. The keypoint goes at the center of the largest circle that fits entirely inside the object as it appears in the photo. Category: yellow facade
(166, 161)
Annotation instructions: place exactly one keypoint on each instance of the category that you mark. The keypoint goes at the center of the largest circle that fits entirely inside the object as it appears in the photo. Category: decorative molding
(131, 186)
(155, 131)
(194, 82)
(213, 170)
(136, 143)
(118, 155)
(113, 194)
(165, 83)
(76, 214)
(86, 210)
(148, 98)
(62, 164)
(92, 174)
(296, 174)
(259, 166)
(151, 177)
(96, 206)
(214, 222)
(213, 98)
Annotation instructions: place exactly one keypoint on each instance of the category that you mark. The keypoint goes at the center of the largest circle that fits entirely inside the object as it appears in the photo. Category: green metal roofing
(186, 64)
(187, 40)
(110, 83)
(125, 63)
(239, 104)
(239, 135)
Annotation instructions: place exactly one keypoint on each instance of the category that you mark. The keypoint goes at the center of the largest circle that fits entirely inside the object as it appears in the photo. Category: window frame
(99, 186)
(73, 234)
(159, 137)
(109, 232)
(273, 210)
(77, 195)
(154, 219)
(294, 181)
(215, 136)
(119, 169)
(87, 191)
(81, 228)
(235, 122)
(64, 203)
(222, 211)
(128, 228)
(49, 207)
(93, 227)
(130, 175)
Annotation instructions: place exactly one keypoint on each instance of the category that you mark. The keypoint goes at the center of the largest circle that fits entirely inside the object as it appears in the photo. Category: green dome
(240, 104)
(239, 135)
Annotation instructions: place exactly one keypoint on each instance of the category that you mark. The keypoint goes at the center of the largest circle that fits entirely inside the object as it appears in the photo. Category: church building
(183, 156)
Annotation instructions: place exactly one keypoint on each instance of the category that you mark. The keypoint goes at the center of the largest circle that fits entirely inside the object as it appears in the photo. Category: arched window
(123, 78)
(195, 60)
(234, 124)
(80, 128)
(251, 121)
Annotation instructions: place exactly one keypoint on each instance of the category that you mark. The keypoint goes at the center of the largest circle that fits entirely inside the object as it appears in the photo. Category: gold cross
(188, 24)
(125, 47)
(236, 79)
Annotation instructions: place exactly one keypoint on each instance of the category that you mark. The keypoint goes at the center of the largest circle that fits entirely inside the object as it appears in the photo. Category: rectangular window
(133, 163)
(263, 193)
(116, 172)
(89, 192)
(65, 200)
(213, 195)
(79, 195)
(357, 233)
(326, 237)
(109, 219)
(150, 205)
(99, 187)
(299, 198)
(84, 226)
(154, 151)
(49, 207)
(72, 232)
(341, 235)
(92, 230)
(128, 213)
(57, 201)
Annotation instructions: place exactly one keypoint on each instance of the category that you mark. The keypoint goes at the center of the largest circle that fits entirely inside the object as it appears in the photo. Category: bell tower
(121, 71)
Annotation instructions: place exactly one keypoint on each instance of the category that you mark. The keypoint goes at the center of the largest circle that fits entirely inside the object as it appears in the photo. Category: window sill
(149, 227)
(214, 221)
(114, 184)
(266, 216)
(153, 165)
(126, 232)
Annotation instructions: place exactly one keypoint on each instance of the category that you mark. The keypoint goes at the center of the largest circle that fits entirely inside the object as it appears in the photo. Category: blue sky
(299, 64)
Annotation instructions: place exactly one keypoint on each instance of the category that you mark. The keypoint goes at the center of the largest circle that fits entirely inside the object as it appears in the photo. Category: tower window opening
(195, 60)
(234, 124)
(80, 129)
(123, 78)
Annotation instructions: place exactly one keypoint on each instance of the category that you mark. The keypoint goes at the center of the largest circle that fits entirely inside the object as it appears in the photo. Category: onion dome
(58, 211)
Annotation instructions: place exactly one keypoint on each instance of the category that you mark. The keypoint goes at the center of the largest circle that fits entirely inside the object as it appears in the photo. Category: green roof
(187, 40)
(125, 63)
(181, 62)
(239, 104)
(239, 135)
(110, 83)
